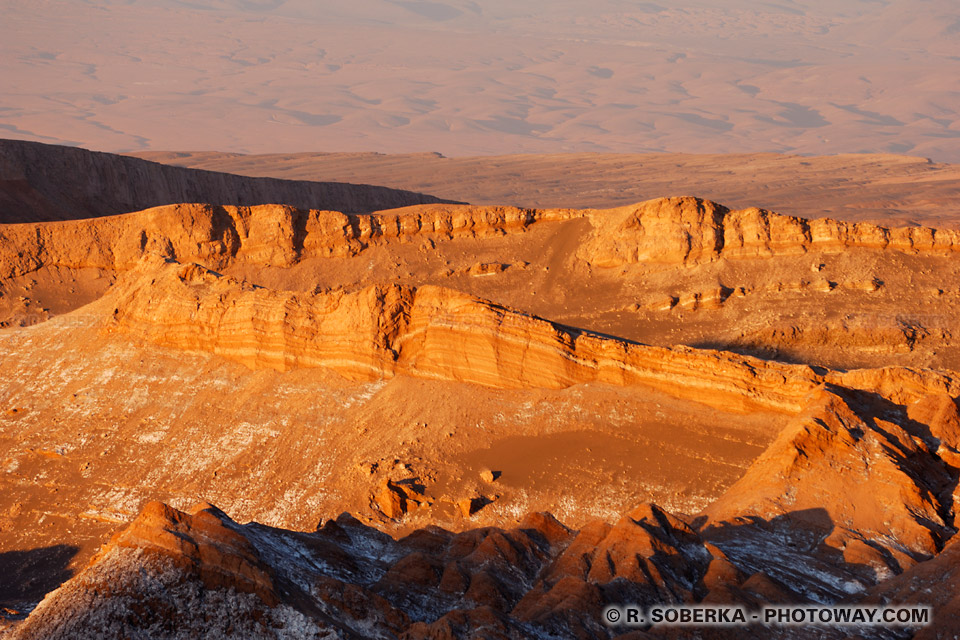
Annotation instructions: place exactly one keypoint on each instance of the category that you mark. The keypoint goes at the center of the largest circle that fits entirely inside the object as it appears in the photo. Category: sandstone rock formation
(539, 579)
(883, 189)
(171, 574)
(217, 236)
(895, 508)
(442, 334)
(694, 269)
(691, 230)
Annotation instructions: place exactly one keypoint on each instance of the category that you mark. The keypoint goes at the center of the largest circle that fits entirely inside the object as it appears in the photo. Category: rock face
(774, 538)
(46, 182)
(172, 574)
(690, 230)
(351, 581)
(895, 508)
(642, 272)
(438, 333)
(217, 236)
(427, 332)
(667, 230)
(852, 187)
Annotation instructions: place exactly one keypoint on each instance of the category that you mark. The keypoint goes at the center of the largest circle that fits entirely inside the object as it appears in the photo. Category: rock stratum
(716, 406)
(442, 334)
(846, 281)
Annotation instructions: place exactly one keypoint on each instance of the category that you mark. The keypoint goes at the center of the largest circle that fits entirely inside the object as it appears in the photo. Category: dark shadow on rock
(762, 352)
(935, 474)
(27, 576)
(787, 551)
(53, 182)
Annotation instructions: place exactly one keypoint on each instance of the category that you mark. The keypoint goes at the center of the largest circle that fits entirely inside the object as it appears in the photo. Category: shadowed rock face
(40, 182)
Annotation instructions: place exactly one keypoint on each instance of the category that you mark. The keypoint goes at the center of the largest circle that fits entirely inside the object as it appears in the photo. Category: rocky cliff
(663, 231)
(691, 230)
(441, 365)
(266, 235)
(438, 333)
(48, 182)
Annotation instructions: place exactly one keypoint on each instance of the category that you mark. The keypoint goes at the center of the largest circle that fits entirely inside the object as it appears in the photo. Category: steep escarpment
(438, 333)
(428, 332)
(40, 182)
(464, 367)
(896, 507)
(689, 274)
(690, 230)
(663, 231)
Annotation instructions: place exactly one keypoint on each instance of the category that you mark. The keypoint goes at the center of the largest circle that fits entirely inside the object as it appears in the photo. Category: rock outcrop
(663, 231)
(267, 235)
(41, 182)
(438, 333)
(894, 509)
(850, 501)
(173, 574)
(538, 579)
(428, 332)
(689, 230)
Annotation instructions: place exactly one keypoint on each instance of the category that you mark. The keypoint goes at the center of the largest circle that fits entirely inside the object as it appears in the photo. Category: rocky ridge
(266, 235)
(691, 230)
(662, 231)
(437, 333)
(783, 533)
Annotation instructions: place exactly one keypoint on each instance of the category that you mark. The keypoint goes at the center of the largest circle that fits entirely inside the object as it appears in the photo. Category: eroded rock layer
(665, 272)
(781, 535)
(217, 236)
(442, 365)
(691, 230)
(438, 333)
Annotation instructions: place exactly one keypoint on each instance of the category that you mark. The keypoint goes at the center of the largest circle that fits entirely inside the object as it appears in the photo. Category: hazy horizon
(472, 78)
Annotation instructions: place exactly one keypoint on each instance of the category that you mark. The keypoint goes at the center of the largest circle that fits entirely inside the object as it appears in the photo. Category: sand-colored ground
(456, 77)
